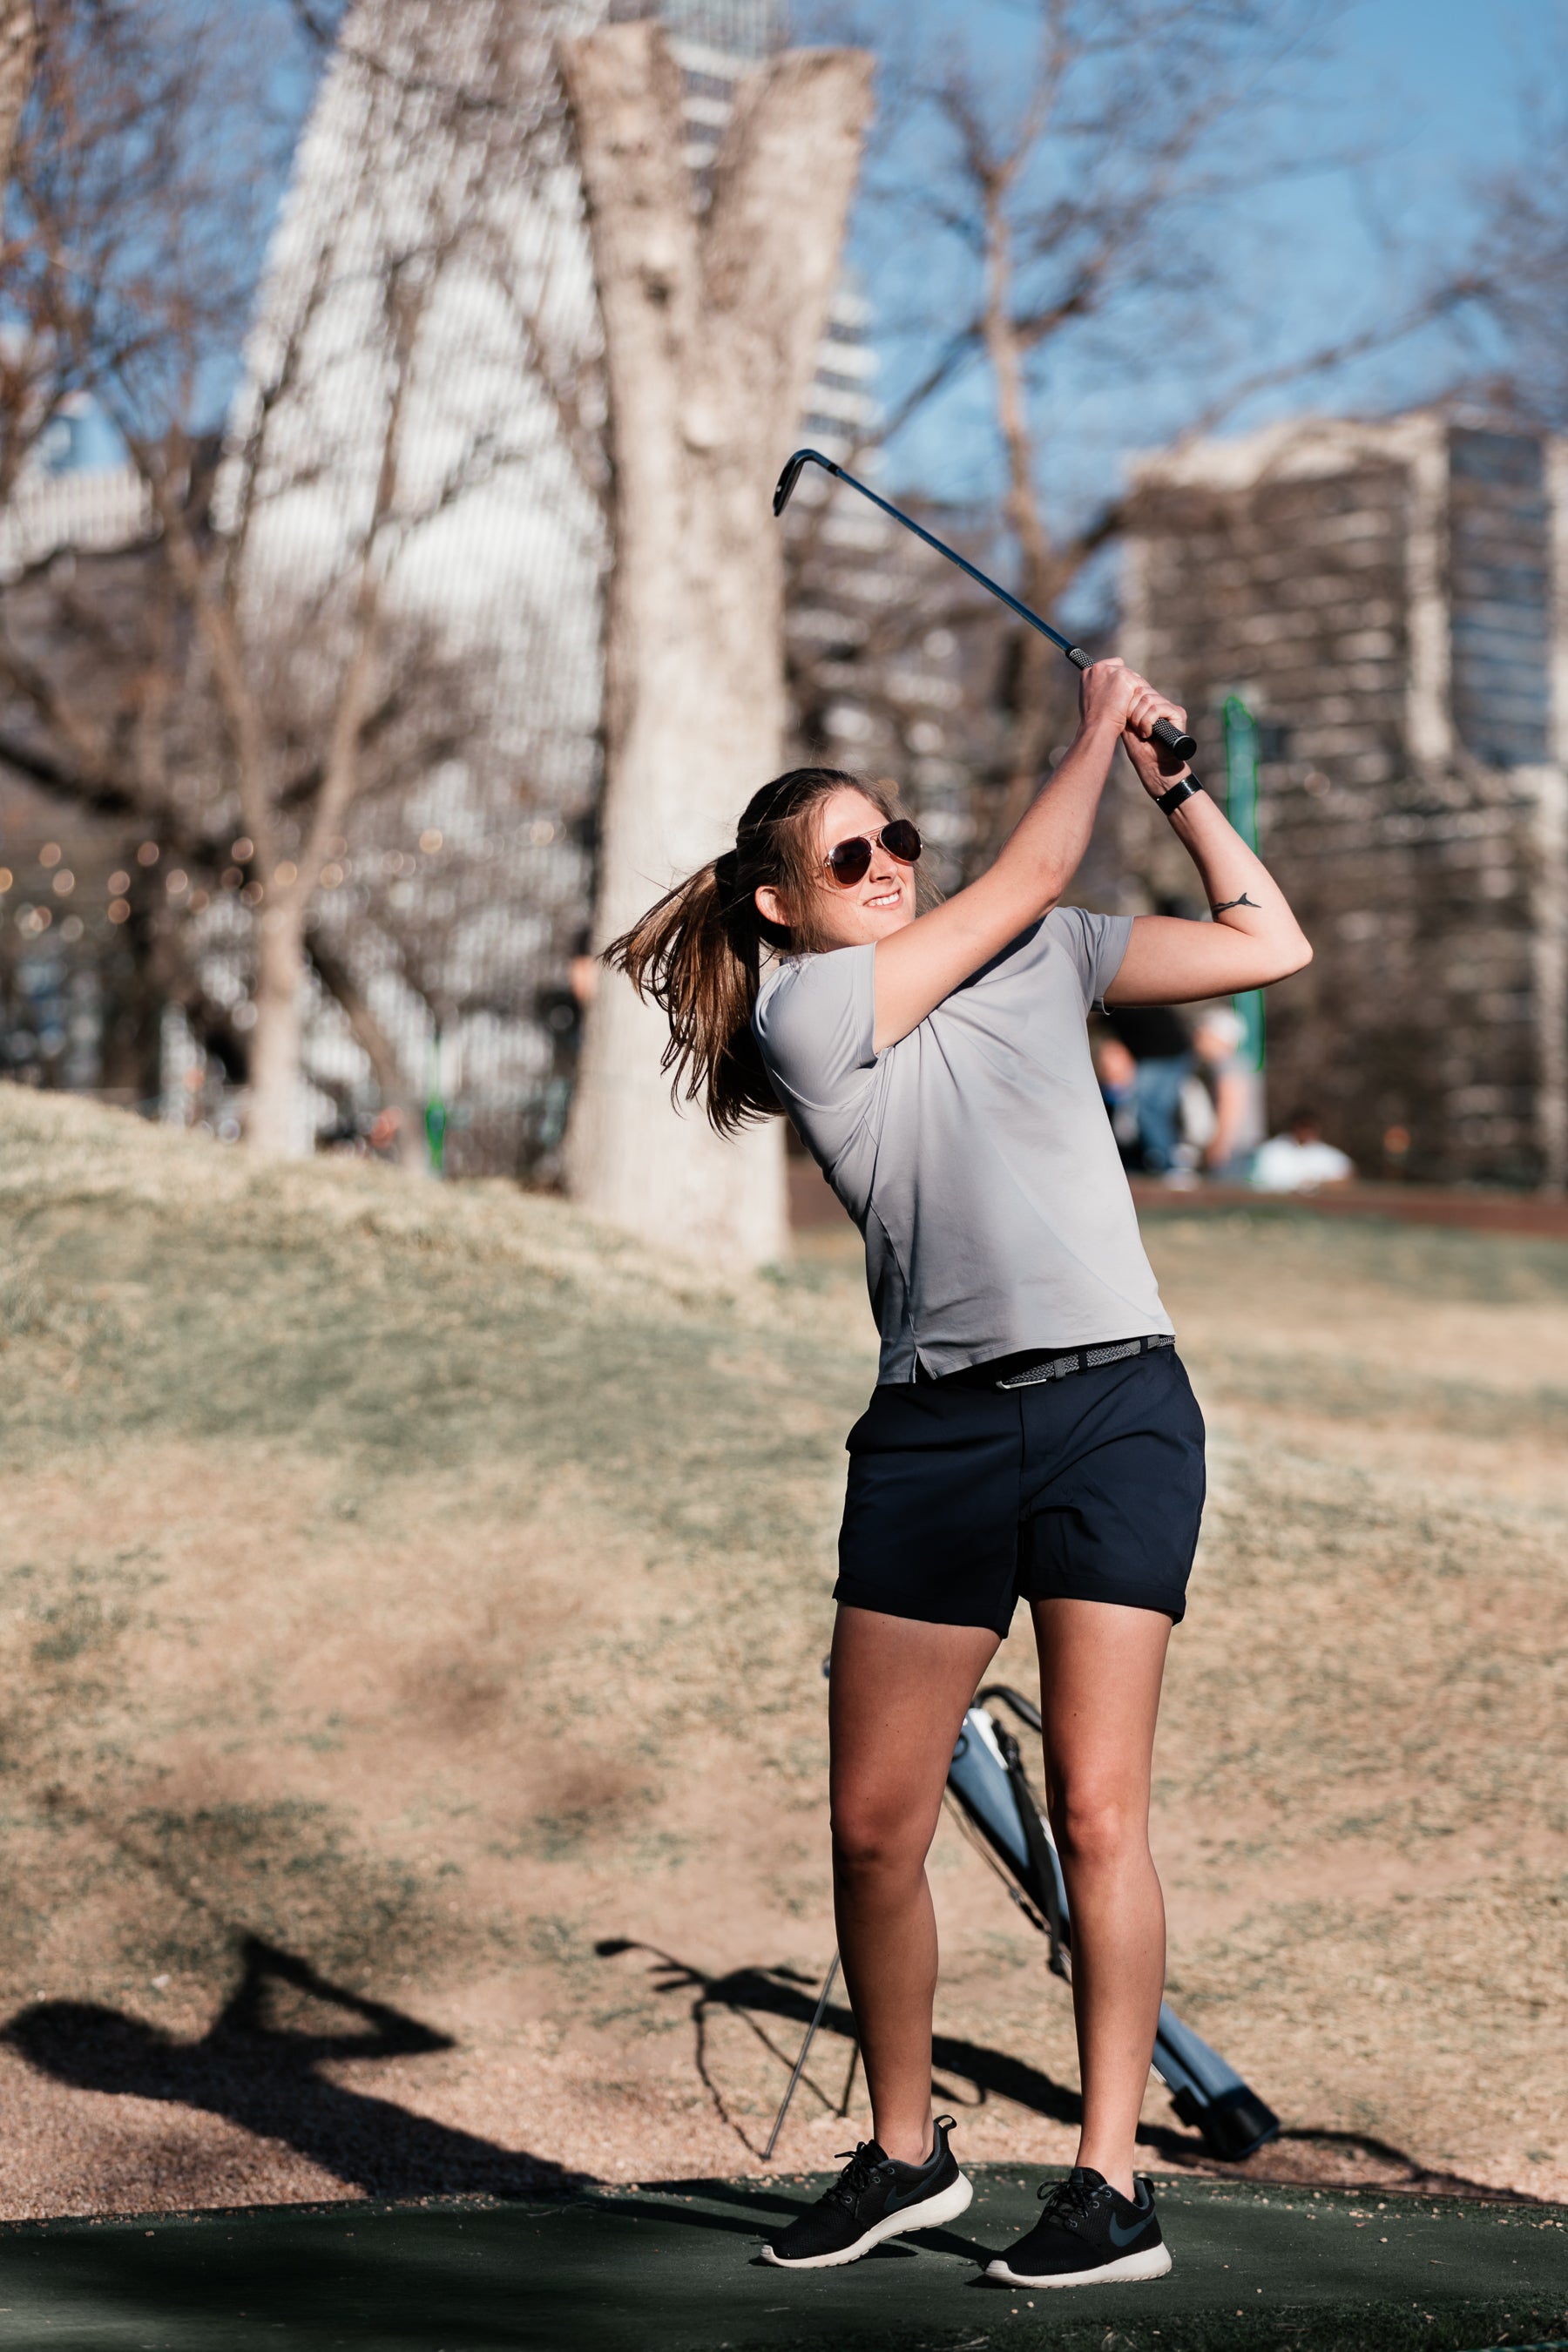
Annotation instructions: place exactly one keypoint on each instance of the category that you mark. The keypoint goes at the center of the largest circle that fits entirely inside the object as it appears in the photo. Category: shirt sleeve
(815, 1026)
(1095, 944)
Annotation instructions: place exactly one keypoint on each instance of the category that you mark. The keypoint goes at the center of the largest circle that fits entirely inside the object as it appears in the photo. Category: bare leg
(897, 1699)
(1100, 1694)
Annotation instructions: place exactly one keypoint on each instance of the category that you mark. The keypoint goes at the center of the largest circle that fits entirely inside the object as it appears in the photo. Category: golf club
(1180, 746)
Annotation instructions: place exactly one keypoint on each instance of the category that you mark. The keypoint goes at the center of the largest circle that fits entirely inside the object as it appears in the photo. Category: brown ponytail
(698, 953)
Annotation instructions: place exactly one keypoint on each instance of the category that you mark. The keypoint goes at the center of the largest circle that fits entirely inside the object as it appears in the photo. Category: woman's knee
(1099, 1822)
(873, 1839)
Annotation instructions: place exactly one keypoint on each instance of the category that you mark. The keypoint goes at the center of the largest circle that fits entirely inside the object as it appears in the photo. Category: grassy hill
(413, 1739)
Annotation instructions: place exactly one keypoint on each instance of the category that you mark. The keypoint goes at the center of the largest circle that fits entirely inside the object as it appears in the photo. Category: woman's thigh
(897, 1697)
(1101, 1669)
(1114, 1486)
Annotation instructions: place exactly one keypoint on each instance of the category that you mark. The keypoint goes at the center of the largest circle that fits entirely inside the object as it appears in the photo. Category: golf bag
(987, 1787)
(986, 1782)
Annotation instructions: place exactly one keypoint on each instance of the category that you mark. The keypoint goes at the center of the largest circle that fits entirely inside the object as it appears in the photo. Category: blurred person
(1032, 1435)
(1161, 1045)
(1298, 1161)
(1218, 1035)
(1195, 1127)
(1116, 1073)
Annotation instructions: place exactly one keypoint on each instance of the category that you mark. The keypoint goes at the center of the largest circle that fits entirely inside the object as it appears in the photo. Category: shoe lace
(1068, 2202)
(856, 2176)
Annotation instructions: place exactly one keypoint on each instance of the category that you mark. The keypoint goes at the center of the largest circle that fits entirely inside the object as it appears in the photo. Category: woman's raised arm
(919, 966)
(1254, 937)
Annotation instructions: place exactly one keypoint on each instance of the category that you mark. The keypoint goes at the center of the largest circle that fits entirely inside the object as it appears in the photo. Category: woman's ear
(771, 906)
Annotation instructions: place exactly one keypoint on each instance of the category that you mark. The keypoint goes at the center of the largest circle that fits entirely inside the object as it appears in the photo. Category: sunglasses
(849, 862)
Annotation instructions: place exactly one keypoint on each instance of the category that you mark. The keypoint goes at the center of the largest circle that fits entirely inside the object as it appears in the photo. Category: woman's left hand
(1156, 768)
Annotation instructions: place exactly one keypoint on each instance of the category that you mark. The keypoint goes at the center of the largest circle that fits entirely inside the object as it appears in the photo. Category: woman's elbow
(1294, 955)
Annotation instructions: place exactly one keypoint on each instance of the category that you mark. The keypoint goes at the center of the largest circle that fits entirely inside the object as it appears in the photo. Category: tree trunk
(18, 54)
(397, 1094)
(711, 324)
(274, 1121)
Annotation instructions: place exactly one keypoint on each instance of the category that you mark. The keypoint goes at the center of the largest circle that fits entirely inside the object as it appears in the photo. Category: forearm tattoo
(1225, 907)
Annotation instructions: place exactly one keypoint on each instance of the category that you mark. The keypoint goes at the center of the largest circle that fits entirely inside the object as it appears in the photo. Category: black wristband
(1182, 790)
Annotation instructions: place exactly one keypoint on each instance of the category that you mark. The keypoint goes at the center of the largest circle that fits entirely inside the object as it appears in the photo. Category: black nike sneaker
(874, 2198)
(1088, 2235)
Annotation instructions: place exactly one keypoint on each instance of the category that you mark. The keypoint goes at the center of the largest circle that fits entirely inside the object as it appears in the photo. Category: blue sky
(1432, 86)
(1458, 63)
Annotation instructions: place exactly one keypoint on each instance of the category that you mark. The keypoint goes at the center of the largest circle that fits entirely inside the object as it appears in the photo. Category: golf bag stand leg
(816, 2017)
(849, 2078)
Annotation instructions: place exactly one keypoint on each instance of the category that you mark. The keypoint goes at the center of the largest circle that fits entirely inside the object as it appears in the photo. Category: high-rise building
(464, 951)
(459, 905)
(1388, 599)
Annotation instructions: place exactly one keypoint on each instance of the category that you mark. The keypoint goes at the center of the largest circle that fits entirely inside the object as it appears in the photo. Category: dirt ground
(412, 1736)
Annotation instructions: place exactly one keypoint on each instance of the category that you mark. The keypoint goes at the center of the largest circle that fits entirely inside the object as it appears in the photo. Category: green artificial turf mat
(674, 2268)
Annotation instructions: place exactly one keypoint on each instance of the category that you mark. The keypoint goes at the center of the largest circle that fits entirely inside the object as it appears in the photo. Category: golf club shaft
(1180, 746)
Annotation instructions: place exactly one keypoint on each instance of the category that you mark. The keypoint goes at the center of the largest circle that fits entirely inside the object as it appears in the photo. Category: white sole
(1153, 2263)
(945, 2207)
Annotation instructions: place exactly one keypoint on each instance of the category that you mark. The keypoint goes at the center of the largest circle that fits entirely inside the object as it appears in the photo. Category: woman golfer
(1032, 1435)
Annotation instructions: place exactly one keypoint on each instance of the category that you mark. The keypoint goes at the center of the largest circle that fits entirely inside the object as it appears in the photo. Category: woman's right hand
(1112, 696)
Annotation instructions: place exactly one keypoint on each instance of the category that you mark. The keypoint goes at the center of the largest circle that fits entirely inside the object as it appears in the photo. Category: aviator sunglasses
(849, 862)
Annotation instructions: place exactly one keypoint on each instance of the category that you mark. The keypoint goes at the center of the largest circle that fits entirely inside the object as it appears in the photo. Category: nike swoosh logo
(916, 2194)
(1120, 2237)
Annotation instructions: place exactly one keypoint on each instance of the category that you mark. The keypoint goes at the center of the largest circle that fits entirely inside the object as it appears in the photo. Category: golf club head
(784, 490)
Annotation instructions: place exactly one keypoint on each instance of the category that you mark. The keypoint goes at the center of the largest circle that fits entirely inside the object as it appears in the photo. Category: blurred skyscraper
(457, 910)
(474, 942)
(1389, 600)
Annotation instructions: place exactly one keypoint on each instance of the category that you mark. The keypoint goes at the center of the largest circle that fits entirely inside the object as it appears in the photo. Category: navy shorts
(964, 1501)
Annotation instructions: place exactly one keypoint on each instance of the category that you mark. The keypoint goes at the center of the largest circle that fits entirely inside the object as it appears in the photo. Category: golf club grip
(1164, 731)
(1180, 746)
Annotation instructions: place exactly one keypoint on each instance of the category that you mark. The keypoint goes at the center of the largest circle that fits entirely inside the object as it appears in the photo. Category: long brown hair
(698, 953)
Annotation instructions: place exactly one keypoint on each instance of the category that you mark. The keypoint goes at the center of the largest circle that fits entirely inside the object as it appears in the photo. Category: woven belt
(1085, 1359)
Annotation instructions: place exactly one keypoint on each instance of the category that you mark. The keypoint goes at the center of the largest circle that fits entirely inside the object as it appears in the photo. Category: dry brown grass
(413, 1746)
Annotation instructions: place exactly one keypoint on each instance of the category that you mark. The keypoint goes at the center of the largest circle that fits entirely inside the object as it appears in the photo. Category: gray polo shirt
(975, 1155)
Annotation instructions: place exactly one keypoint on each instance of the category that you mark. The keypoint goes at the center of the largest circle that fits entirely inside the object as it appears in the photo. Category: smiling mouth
(887, 898)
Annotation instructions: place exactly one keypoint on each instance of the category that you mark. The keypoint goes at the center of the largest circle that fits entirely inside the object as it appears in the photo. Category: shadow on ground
(263, 2073)
(753, 1994)
(264, 2076)
(975, 2073)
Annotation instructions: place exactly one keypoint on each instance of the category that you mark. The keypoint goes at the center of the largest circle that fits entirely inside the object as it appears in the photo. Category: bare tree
(370, 452)
(18, 48)
(1523, 260)
(712, 320)
(125, 252)
(1068, 177)
(142, 167)
(277, 683)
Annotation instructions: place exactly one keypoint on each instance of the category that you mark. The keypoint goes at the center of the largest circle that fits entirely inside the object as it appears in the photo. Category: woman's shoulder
(810, 980)
(816, 1016)
(1060, 926)
(1068, 927)
(1069, 947)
